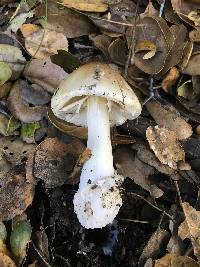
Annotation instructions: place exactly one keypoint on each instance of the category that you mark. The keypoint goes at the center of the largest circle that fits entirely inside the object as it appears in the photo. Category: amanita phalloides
(97, 97)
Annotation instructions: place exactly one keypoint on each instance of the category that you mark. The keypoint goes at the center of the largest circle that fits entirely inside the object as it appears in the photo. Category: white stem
(100, 164)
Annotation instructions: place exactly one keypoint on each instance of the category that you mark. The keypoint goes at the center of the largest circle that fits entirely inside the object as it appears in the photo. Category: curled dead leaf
(147, 46)
(172, 260)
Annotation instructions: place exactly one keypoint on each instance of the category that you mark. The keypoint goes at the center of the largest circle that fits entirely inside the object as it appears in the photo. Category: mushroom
(97, 97)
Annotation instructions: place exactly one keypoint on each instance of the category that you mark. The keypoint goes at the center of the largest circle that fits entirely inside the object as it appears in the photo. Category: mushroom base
(98, 203)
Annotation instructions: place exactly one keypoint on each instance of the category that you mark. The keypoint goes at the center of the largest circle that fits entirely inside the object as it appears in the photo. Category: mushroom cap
(95, 79)
(98, 203)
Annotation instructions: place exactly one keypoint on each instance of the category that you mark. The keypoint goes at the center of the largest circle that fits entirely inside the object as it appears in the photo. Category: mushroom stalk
(100, 164)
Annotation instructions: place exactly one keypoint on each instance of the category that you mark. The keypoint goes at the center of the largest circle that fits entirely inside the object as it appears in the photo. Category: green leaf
(186, 90)
(19, 238)
(12, 125)
(5, 73)
(29, 129)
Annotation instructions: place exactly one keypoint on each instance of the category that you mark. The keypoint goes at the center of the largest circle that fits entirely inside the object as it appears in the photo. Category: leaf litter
(155, 46)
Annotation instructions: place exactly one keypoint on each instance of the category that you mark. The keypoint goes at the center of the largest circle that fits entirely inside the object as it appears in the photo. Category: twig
(41, 257)
(62, 258)
(131, 53)
(154, 206)
(134, 221)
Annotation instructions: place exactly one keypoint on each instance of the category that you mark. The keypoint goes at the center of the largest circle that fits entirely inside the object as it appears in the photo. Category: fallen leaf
(5, 73)
(183, 8)
(155, 31)
(5, 89)
(86, 5)
(146, 155)
(19, 238)
(28, 130)
(172, 260)
(44, 73)
(130, 166)
(190, 228)
(42, 43)
(3, 232)
(118, 51)
(101, 42)
(17, 22)
(165, 145)
(53, 161)
(34, 94)
(20, 109)
(153, 248)
(167, 116)
(176, 52)
(67, 61)
(15, 196)
(186, 90)
(193, 66)
(194, 36)
(12, 56)
(170, 79)
(6, 261)
(64, 20)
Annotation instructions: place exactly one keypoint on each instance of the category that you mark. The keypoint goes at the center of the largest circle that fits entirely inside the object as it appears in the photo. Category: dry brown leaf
(15, 196)
(101, 42)
(193, 66)
(156, 31)
(42, 43)
(6, 261)
(86, 5)
(168, 117)
(170, 79)
(44, 73)
(28, 29)
(14, 150)
(118, 51)
(176, 51)
(190, 228)
(64, 20)
(194, 36)
(183, 8)
(154, 246)
(146, 155)
(53, 161)
(165, 145)
(130, 166)
(20, 109)
(147, 46)
(172, 260)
